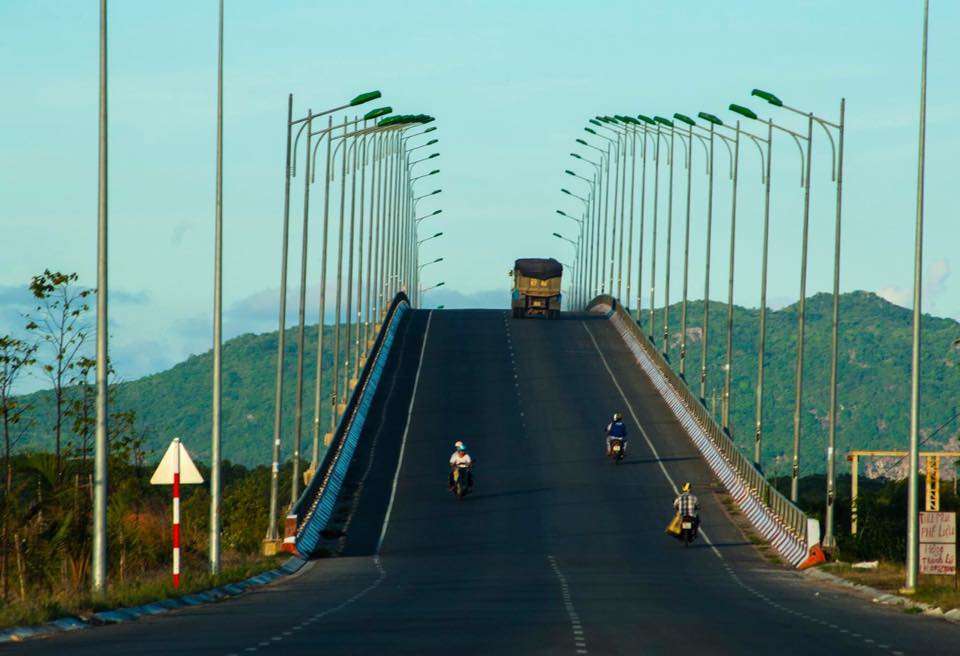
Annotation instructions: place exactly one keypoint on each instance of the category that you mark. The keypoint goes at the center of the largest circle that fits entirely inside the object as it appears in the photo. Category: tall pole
(828, 538)
(728, 365)
(666, 285)
(706, 275)
(762, 345)
(217, 322)
(606, 218)
(335, 379)
(912, 500)
(801, 327)
(301, 320)
(348, 358)
(318, 386)
(633, 184)
(281, 338)
(653, 244)
(686, 258)
(101, 453)
(643, 216)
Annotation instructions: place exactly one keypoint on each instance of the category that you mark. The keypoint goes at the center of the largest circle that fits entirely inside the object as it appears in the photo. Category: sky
(512, 85)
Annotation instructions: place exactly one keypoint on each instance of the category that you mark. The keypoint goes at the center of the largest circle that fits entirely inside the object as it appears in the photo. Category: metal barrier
(313, 509)
(789, 516)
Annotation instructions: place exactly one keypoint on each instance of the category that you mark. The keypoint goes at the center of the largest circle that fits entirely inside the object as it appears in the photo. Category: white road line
(643, 432)
(406, 430)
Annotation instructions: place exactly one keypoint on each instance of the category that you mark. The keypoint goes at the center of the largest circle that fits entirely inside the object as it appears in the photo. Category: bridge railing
(793, 519)
(312, 512)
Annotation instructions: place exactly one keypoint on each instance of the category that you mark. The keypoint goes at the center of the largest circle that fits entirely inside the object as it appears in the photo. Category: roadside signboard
(175, 469)
(938, 543)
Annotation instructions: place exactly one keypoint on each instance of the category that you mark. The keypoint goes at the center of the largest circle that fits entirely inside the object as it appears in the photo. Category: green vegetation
(873, 376)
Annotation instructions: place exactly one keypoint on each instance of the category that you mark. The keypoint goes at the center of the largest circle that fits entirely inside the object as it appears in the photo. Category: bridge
(557, 550)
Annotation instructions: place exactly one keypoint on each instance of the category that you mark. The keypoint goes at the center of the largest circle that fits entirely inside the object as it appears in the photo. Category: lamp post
(432, 287)
(666, 287)
(646, 122)
(612, 146)
(591, 238)
(762, 338)
(912, 500)
(837, 171)
(215, 482)
(577, 297)
(433, 236)
(98, 578)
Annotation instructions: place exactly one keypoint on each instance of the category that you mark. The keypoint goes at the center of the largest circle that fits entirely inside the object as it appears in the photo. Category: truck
(536, 288)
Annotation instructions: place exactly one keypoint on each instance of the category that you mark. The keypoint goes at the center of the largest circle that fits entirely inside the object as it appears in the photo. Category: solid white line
(406, 430)
(643, 432)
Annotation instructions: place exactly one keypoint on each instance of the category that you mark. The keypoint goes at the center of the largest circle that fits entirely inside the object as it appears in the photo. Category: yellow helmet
(686, 487)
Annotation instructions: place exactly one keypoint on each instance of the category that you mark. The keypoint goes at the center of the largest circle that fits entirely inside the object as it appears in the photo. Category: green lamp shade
(684, 119)
(377, 113)
(710, 118)
(589, 130)
(766, 95)
(434, 172)
(569, 172)
(663, 121)
(557, 234)
(595, 121)
(645, 119)
(582, 143)
(364, 97)
(743, 111)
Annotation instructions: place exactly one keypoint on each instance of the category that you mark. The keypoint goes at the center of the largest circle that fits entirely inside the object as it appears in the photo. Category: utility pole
(912, 500)
(217, 323)
(102, 445)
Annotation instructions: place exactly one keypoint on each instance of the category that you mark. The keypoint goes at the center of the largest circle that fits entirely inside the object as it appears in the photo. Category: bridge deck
(558, 551)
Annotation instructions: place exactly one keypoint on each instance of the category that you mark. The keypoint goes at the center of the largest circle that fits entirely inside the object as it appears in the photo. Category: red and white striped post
(176, 516)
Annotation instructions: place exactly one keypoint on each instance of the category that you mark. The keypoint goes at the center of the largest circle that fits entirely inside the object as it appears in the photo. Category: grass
(149, 587)
(889, 577)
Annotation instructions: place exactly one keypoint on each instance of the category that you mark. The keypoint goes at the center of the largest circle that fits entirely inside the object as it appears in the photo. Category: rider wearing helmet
(461, 457)
(617, 429)
(688, 505)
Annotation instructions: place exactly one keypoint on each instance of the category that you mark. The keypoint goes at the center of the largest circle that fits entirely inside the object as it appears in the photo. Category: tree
(15, 356)
(60, 322)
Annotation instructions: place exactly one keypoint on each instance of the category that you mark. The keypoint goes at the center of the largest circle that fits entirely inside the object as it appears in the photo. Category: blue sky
(511, 83)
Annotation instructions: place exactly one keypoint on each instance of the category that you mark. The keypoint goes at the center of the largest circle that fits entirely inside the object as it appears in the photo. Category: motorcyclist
(687, 505)
(617, 429)
(461, 457)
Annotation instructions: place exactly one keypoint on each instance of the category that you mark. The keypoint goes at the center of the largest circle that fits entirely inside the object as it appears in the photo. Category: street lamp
(433, 172)
(426, 264)
(432, 193)
(570, 241)
(434, 236)
(837, 167)
(427, 216)
(427, 289)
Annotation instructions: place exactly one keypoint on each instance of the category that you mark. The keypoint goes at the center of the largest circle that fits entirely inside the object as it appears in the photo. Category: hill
(874, 384)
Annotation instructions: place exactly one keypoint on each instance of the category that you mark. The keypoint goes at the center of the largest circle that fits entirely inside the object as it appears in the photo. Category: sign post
(938, 543)
(176, 468)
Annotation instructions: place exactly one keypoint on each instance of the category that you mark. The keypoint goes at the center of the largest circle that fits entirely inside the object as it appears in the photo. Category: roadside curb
(129, 614)
(884, 598)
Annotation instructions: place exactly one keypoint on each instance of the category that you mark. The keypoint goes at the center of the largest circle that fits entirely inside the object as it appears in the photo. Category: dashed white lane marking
(406, 431)
(726, 566)
(579, 642)
(333, 609)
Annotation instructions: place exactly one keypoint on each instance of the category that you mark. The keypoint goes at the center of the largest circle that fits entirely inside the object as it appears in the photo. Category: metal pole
(762, 345)
(101, 452)
(623, 210)
(666, 286)
(217, 323)
(706, 276)
(335, 378)
(801, 313)
(912, 501)
(350, 249)
(653, 245)
(686, 258)
(643, 216)
(281, 338)
(324, 239)
(301, 319)
(606, 218)
(828, 539)
(633, 185)
(360, 277)
(728, 365)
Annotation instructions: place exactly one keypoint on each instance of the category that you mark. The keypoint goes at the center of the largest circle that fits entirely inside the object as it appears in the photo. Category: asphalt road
(557, 551)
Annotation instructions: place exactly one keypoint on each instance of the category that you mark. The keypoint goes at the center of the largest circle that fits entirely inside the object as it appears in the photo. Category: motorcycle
(617, 450)
(461, 481)
(688, 529)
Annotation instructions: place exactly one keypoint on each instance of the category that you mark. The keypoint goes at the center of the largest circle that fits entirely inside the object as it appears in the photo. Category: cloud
(938, 273)
(896, 295)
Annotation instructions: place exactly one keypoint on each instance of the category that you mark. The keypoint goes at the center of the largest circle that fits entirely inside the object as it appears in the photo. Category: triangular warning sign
(165, 470)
